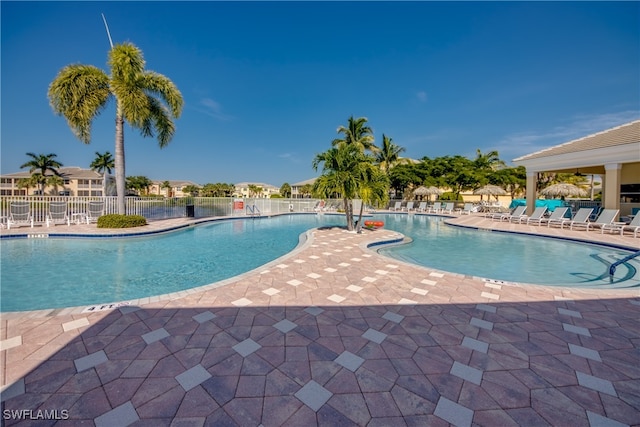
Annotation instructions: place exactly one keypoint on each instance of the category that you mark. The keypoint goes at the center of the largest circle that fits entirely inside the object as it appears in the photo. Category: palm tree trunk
(119, 162)
(348, 213)
(359, 227)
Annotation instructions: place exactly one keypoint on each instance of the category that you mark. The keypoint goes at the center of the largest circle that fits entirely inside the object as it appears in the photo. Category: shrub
(450, 196)
(121, 221)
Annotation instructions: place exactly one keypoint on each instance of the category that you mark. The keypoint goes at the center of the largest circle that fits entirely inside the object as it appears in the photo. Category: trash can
(191, 211)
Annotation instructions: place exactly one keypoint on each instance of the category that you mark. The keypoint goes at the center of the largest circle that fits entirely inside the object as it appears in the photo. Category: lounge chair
(19, 214)
(422, 207)
(634, 226)
(517, 212)
(557, 214)
(57, 214)
(409, 207)
(467, 209)
(396, 207)
(447, 208)
(96, 208)
(581, 216)
(435, 208)
(535, 216)
(606, 217)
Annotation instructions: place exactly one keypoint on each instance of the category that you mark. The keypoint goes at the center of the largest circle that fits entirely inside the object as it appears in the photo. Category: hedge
(121, 221)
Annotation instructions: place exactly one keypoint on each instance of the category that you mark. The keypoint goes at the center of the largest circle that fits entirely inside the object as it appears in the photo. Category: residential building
(266, 190)
(175, 189)
(76, 182)
(296, 192)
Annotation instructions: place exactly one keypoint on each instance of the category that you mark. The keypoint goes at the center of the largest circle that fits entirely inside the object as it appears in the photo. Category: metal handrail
(612, 268)
(253, 209)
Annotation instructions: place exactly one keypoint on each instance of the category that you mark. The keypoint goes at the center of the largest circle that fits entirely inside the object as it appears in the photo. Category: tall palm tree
(103, 164)
(357, 133)
(389, 154)
(42, 163)
(146, 100)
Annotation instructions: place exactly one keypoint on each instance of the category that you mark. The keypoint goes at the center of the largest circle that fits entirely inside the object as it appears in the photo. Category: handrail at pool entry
(253, 210)
(612, 268)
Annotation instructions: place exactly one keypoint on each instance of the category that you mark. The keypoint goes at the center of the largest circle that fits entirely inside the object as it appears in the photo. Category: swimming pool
(507, 256)
(53, 273)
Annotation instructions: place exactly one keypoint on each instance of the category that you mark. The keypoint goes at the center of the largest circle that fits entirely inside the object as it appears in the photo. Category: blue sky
(266, 84)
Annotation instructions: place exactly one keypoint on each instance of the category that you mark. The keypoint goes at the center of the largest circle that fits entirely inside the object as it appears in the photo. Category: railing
(612, 269)
(161, 208)
(252, 210)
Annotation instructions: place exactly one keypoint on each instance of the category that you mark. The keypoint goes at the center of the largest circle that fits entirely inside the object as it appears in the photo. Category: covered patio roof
(613, 154)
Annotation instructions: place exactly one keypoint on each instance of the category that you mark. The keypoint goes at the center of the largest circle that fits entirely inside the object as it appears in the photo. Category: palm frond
(79, 93)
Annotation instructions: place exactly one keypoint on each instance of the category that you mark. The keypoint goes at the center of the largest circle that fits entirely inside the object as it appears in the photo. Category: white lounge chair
(517, 212)
(557, 214)
(19, 214)
(606, 217)
(422, 207)
(621, 227)
(435, 208)
(396, 207)
(535, 216)
(582, 215)
(409, 207)
(95, 210)
(633, 226)
(447, 208)
(57, 214)
(467, 209)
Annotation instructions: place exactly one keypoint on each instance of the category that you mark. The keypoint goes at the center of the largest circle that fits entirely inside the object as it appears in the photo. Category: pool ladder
(612, 269)
(252, 210)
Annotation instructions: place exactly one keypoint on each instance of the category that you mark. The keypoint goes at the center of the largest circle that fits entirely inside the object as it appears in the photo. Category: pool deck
(334, 334)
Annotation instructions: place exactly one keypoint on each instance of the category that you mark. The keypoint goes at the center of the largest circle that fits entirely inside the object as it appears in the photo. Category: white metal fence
(164, 208)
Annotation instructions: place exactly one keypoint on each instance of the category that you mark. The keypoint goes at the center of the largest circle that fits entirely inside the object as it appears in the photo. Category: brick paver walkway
(335, 334)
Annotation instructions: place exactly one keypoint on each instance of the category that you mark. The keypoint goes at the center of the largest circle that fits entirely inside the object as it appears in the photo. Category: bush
(451, 197)
(121, 221)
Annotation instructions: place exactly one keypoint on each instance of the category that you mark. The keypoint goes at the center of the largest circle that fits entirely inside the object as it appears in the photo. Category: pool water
(506, 256)
(53, 273)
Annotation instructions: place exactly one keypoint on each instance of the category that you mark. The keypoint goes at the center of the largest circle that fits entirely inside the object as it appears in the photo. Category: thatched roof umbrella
(427, 191)
(563, 189)
(490, 190)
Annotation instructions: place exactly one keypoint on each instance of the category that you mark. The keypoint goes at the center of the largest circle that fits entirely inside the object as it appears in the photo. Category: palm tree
(54, 181)
(167, 186)
(42, 163)
(389, 154)
(357, 133)
(147, 100)
(103, 164)
(344, 173)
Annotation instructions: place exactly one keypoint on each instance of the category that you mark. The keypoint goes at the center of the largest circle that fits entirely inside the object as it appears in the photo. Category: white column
(532, 180)
(611, 186)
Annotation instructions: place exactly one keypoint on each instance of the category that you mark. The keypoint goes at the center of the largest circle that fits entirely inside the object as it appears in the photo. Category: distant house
(76, 182)
(175, 190)
(266, 190)
(296, 192)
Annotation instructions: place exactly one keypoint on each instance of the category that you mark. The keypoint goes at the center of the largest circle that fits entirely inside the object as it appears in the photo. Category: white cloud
(289, 156)
(212, 108)
(422, 96)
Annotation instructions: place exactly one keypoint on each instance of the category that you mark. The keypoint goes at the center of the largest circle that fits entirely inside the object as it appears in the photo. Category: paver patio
(335, 334)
